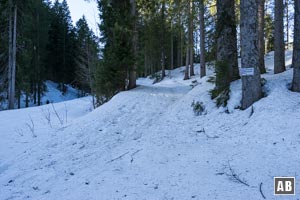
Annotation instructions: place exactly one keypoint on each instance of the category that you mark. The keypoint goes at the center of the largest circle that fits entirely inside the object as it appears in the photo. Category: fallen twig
(134, 154)
(208, 136)
(119, 157)
(235, 177)
(260, 189)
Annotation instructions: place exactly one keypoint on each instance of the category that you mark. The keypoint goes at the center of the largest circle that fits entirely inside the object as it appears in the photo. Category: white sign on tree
(247, 71)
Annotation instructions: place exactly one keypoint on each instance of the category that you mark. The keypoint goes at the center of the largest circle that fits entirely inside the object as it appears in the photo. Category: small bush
(265, 91)
(156, 77)
(198, 108)
(211, 79)
(263, 82)
(222, 90)
(194, 83)
(220, 97)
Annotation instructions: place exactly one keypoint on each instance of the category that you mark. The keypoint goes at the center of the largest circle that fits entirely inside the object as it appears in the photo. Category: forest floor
(147, 143)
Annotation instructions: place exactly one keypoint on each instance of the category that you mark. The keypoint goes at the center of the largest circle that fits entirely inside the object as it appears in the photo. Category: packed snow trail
(148, 144)
(131, 115)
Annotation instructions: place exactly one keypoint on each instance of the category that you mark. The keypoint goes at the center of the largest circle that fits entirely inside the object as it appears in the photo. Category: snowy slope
(148, 144)
(51, 95)
(54, 95)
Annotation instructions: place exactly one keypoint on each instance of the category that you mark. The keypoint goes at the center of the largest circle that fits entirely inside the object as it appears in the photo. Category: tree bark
(186, 72)
(279, 57)
(181, 45)
(172, 46)
(187, 59)
(287, 23)
(27, 99)
(202, 41)
(10, 45)
(12, 86)
(39, 81)
(227, 59)
(296, 54)
(191, 38)
(178, 51)
(132, 72)
(261, 32)
(251, 86)
(163, 67)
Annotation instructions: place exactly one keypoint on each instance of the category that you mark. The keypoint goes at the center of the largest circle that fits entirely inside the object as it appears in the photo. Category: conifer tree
(117, 38)
(251, 85)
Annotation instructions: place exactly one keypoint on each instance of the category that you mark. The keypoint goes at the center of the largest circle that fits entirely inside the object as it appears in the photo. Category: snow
(148, 144)
(54, 95)
(51, 95)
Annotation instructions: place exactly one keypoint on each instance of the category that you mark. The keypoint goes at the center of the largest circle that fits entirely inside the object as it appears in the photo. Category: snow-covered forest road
(148, 144)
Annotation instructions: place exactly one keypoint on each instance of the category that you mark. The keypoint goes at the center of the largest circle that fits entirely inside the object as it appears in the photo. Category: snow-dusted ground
(148, 144)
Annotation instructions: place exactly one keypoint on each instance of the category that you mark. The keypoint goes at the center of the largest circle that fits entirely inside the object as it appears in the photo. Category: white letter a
(280, 187)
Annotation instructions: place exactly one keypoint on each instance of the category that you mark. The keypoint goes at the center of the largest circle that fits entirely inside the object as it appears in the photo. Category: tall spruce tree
(251, 85)
(227, 63)
(116, 29)
(62, 45)
(87, 59)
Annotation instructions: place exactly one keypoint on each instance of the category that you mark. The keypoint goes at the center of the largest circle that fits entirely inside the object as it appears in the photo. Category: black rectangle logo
(284, 185)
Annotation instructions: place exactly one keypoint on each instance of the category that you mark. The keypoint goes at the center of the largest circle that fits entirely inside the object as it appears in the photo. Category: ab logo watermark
(284, 185)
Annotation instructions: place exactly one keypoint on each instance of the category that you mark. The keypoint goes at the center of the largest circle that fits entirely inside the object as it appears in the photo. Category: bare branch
(57, 115)
(31, 127)
(233, 176)
(119, 157)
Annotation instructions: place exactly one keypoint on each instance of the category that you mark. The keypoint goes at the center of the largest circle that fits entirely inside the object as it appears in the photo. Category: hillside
(52, 94)
(148, 144)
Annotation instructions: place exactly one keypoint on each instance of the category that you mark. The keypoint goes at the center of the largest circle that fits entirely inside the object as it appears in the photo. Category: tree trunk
(132, 73)
(10, 46)
(181, 45)
(261, 35)
(172, 46)
(279, 57)
(296, 54)
(186, 72)
(227, 60)
(251, 86)
(35, 92)
(187, 58)
(19, 98)
(13, 62)
(191, 37)
(287, 23)
(163, 70)
(202, 41)
(27, 99)
(39, 82)
(178, 52)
